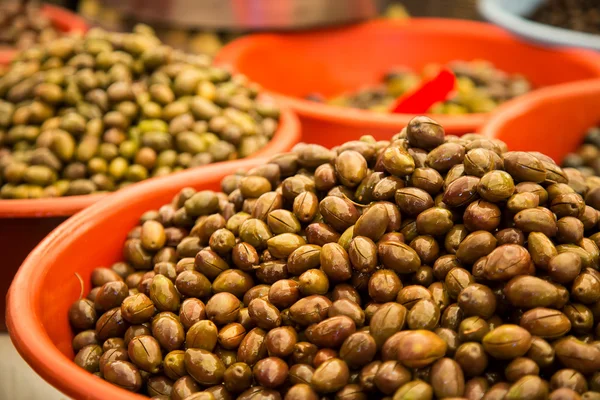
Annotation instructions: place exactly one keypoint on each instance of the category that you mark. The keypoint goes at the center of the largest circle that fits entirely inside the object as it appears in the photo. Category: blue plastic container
(512, 16)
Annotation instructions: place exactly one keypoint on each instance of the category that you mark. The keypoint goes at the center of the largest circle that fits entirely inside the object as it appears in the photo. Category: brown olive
(507, 342)
(420, 348)
(301, 391)
(123, 374)
(202, 335)
(144, 351)
(270, 372)
(416, 389)
(330, 376)
(205, 367)
(447, 378)
(253, 347)
(520, 367)
(331, 332)
(82, 314)
(358, 349)
(223, 308)
(472, 358)
(569, 378)
(192, 310)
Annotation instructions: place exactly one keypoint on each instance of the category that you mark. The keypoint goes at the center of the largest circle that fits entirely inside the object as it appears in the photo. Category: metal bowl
(246, 14)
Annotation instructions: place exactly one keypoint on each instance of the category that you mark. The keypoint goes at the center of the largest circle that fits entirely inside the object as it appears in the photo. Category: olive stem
(81, 285)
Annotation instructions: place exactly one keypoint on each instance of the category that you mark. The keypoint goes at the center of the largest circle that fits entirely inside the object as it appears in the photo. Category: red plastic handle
(431, 91)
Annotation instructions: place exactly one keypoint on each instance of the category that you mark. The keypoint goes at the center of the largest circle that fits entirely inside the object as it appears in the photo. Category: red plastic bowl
(64, 20)
(553, 120)
(337, 60)
(23, 223)
(46, 284)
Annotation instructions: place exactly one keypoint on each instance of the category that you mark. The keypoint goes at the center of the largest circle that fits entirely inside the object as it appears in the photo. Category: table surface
(17, 380)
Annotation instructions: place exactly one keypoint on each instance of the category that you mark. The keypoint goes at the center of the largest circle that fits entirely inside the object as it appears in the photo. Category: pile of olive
(23, 26)
(578, 15)
(93, 114)
(480, 87)
(587, 157)
(425, 266)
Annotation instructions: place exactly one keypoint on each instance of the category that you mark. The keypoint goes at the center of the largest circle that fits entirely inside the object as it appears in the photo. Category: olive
(331, 332)
(88, 358)
(253, 347)
(386, 321)
(301, 391)
(270, 372)
(111, 324)
(82, 314)
(569, 378)
(390, 376)
(123, 374)
(420, 348)
(528, 387)
(202, 335)
(577, 355)
(447, 379)
(223, 308)
(472, 358)
(205, 367)
(173, 364)
(168, 331)
(330, 376)
(520, 367)
(414, 390)
(144, 351)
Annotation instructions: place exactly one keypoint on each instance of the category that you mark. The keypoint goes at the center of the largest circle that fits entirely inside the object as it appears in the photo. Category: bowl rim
(287, 134)
(65, 20)
(524, 104)
(231, 53)
(538, 32)
(22, 317)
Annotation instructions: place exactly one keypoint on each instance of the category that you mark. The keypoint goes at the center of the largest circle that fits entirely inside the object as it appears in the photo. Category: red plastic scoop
(430, 91)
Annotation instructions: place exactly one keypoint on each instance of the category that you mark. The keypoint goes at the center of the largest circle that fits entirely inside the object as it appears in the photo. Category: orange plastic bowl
(337, 60)
(23, 223)
(46, 284)
(64, 20)
(552, 121)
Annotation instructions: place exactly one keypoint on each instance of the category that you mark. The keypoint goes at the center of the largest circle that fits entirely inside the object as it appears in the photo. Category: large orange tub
(553, 120)
(46, 284)
(64, 20)
(23, 223)
(337, 60)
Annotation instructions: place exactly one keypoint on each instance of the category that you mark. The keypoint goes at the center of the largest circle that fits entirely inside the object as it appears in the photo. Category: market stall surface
(19, 382)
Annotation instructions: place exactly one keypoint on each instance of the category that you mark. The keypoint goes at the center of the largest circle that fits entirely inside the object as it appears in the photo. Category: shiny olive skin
(420, 348)
(472, 358)
(414, 390)
(205, 367)
(330, 376)
(541, 352)
(386, 321)
(507, 341)
(144, 351)
(358, 349)
(270, 372)
(447, 378)
(520, 367)
(577, 355)
(191, 311)
(253, 347)
(528, 387)
(123, 374)
(280, 341)
(88, 358)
